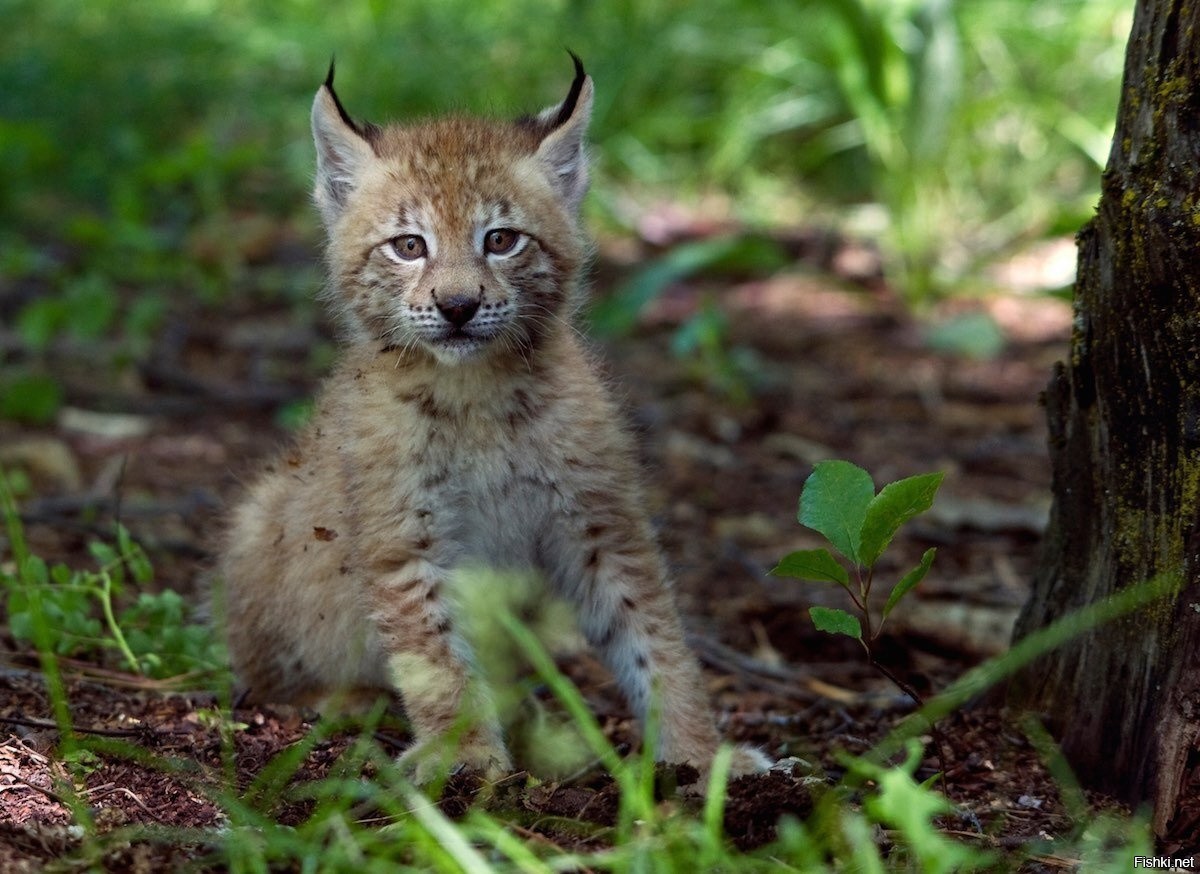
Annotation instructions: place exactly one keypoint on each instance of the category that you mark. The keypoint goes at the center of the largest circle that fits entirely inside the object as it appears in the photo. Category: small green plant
(77, 612)
(839, 501)
(907, 808)
(713, 360)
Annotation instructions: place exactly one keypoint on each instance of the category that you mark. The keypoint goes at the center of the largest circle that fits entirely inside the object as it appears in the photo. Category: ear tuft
(562, 150)
(568, 105)
(343, 149)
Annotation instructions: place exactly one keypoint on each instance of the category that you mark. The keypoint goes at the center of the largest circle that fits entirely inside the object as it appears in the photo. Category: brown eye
(500, 240)
(409, 248)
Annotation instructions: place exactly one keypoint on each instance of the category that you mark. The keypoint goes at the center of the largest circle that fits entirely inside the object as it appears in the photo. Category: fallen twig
(50, 725)
(779, 680)
(51, 509)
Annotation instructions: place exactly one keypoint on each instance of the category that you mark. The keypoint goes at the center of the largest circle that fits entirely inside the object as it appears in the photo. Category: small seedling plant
(839, 501)
(90, 613)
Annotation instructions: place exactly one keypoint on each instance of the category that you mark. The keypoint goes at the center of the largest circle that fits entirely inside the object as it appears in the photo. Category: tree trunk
(1124, 416)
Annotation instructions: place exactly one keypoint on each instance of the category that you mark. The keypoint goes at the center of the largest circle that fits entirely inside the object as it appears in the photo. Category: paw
(748, 760)
(432, 759)
(744, 760)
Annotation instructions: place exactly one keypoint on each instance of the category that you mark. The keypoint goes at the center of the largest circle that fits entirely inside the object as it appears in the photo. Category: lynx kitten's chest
(484, 462)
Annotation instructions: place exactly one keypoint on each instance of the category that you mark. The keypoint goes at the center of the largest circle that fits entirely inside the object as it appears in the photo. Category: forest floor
(841, 372)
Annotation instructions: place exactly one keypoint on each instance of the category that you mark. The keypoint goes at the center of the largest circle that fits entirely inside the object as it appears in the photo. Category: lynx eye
(499, 241)
(410, 247)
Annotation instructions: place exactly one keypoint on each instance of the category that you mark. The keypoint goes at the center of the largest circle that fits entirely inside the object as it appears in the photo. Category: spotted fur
(464, 424)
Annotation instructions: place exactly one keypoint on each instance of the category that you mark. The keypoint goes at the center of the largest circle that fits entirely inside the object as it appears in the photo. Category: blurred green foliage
(109, 610)
(147, 148)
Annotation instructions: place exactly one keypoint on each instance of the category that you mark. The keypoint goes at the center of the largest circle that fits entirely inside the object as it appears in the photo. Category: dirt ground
(841, 372)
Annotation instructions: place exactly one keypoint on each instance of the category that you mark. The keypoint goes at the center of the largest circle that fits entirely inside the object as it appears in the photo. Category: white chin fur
(455, 351)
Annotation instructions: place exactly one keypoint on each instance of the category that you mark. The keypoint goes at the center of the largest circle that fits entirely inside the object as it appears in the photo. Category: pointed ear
(562, 151)
(343, 150)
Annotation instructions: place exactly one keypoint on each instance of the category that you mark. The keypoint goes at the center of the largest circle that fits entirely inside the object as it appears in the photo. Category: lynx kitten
(464, 425)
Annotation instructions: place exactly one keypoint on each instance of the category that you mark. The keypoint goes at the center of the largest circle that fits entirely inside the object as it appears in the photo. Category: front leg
(613, 572)
(453, 718)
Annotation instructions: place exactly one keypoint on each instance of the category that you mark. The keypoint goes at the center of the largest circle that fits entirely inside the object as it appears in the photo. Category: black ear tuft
(568, 105)
(561, 149)
(368, 131)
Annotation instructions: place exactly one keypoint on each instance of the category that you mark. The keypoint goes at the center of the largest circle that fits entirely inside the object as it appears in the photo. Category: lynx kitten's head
(458, 236)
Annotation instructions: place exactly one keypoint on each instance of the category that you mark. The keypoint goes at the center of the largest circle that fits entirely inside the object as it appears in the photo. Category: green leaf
(34, 571)
(20, 624)
(124, 541)
(104, 554)
(834, 502)
(909, 580)
(134, 556)
(293, 415)
(91, 306)
(834, 621)
(895, 504)
(30, 397)
(812, 564)
(39, 320)
(139, 566)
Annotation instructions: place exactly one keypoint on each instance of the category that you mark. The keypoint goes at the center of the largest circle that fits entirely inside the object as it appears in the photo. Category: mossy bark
(1124, 417)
